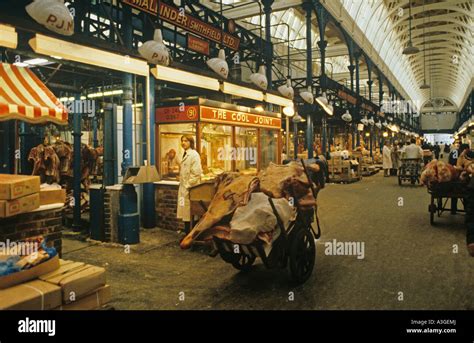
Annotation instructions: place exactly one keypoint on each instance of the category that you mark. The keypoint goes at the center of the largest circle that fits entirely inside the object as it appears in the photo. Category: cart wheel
(302, 256)
(244, 263)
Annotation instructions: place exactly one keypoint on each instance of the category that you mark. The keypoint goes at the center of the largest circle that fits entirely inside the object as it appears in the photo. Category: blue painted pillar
(110, 136)
(127, 124)
(95, 139)
(148, 203)
(322, 44)
(308, 7)
(76, 182)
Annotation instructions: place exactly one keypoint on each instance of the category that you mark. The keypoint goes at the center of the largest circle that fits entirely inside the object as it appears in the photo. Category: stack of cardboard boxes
(341, 170)
(22, 193)
(18, 194)
(66, 285)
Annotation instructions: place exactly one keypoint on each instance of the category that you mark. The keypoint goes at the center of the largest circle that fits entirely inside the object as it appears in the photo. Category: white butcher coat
(387, 157)
(189, 175)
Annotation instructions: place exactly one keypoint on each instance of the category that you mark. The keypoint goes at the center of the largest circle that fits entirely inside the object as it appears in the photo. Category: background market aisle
(403, 253)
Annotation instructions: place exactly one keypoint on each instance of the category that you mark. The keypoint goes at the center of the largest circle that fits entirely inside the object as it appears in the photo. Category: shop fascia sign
(180, 18)
(192, 113)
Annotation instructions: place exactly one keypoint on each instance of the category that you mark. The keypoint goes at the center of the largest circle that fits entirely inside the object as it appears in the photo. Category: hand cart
(295, 247)
(441, 193)
(410, 170)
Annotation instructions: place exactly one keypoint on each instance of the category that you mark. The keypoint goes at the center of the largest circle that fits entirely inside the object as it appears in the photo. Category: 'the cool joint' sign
(181, 19)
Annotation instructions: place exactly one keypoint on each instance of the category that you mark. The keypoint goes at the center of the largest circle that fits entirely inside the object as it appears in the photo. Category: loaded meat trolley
(295, 246)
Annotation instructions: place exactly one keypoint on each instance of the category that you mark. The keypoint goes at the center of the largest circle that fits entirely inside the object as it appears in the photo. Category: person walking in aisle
(387, 159)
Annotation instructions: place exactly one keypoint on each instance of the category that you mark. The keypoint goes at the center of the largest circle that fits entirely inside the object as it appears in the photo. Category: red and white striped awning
(24, 97)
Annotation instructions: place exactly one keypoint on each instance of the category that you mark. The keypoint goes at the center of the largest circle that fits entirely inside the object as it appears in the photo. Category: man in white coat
(387, 159)
(189, 175)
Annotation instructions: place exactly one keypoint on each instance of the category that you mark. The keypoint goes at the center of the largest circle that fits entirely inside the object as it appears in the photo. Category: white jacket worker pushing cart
(189, 175)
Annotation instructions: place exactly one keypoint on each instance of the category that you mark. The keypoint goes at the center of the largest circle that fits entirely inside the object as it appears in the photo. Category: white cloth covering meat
(257, 217)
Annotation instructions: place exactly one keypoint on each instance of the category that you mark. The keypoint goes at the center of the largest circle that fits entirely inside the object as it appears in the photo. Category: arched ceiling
(441, 29)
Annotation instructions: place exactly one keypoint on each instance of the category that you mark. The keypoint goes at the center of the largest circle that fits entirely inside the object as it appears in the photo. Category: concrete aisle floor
(403, 253)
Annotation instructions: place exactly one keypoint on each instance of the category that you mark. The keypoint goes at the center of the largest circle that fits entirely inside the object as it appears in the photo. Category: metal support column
(76, 222)
(369, 83)
(308, 7)
(322, 44)
(127, 122)
(110, 137)
(351, 68)
(357, 85)
(381, 100)
(148, 203)
(267, 9)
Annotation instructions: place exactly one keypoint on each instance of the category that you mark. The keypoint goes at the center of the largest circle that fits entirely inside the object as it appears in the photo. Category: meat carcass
(36, 156)
(446, 172)
(277, 181)
(430, 173)
(226, 200)
(51, 162)
(65, 154)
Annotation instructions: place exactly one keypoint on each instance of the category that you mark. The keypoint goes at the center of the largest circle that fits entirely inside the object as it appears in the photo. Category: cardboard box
(91, 301)
(29, 274)
(52, 196)
(33, 295)
(24, 204)
(16, 186)
(76, 279)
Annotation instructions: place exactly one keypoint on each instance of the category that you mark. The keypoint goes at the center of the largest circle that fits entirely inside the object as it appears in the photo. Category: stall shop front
(26, 209)
(229, 138)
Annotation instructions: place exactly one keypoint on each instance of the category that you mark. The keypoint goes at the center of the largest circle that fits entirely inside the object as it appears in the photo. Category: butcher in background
(189, 175)
(387, 159)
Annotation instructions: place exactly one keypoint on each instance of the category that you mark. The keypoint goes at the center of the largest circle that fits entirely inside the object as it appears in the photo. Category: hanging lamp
(219, 64)
(259, 78)
(410, 49)
(52, 14)
(347, 116)
(307, 96)
(286, 90)
(155, 51)
(424, 85)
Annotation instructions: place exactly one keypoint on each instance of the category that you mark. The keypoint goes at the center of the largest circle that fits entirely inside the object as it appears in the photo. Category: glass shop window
(269, 147)
(246, 150)
(216, 140)
(171, 151)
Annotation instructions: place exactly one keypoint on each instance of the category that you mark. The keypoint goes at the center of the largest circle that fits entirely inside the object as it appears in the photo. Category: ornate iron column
(357, 85)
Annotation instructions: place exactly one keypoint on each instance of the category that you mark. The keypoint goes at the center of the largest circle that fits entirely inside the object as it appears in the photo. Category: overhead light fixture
(410, 49)
(360, 127)
(385, 134)
(8, 37)
(260, 79)
(219, 64)
(185, 78)
(367, 134)
(106, 93)
(259, 108)
(289, 111)
(155, 51)
(286, 90)
(425, 85)
(347, 116)
(244, 92)
(371, 121)
(385, 124)
(52, 14)
(324, 103)
(379, 124)
(297, 118)
(307, 96)
(365, 121)
(49, 46)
